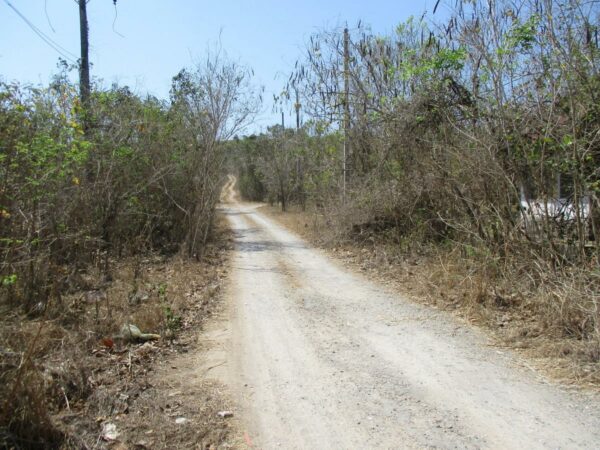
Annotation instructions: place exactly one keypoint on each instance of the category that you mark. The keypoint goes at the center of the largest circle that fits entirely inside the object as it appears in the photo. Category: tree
(212, 103)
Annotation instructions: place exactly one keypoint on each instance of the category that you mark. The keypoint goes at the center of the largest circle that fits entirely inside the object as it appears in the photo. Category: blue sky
(160, 37)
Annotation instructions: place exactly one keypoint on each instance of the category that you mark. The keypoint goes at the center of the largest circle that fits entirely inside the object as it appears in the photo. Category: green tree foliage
(144, 177)
(286, 166)
(454, 125)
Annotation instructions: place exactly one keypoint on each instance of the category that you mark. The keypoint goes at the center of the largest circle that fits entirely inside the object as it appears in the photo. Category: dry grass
(66, 374)
(551, 316)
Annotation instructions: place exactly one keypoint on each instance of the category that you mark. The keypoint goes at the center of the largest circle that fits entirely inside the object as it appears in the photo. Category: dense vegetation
(145, 176)
(80, 188)
(476, 136)
(473, 141)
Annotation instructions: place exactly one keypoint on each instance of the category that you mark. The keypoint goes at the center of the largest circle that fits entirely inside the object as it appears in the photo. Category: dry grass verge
(551, 316)
(68, 379)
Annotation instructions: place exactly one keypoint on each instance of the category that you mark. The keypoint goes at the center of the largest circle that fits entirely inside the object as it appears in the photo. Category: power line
(47, 16)
(51, 43)
(115, 21)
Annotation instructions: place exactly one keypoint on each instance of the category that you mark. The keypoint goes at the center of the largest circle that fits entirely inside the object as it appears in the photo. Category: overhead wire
(49, 41)
(47, 16)
(115, 21)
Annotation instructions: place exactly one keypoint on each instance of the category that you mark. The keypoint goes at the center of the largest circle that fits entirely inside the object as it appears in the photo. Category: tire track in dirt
(319, 357)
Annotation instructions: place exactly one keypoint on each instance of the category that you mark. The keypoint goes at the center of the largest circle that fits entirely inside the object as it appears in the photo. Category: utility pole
(346, 106)
(299, 165)
(297, 107)
(84, 63)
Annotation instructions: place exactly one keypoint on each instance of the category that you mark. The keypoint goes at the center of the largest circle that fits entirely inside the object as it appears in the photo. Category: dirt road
(321, 358)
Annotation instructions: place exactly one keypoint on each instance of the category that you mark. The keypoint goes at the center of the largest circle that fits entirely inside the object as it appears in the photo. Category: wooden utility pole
(346, 106)
(299, 159)
(84, 63)
(297, 107)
